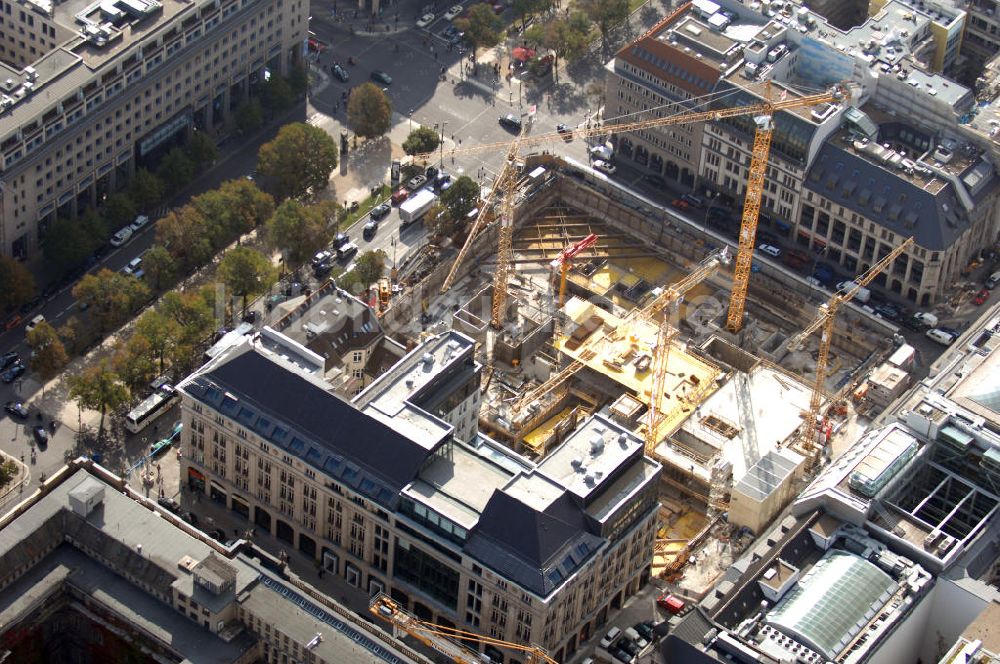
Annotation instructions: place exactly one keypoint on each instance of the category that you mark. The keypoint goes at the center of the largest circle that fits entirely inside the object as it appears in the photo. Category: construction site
(583, 297)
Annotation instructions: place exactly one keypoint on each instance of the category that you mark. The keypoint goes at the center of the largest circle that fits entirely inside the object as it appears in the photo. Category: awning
(195, 474)
(520, 53)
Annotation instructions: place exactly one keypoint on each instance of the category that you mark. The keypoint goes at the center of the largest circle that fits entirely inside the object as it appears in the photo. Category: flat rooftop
(625, 361)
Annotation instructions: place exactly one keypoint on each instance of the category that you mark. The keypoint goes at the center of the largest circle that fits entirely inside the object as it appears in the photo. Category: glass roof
(833, 602)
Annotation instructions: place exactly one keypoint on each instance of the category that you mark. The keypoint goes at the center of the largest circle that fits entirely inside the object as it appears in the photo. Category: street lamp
(410, 116)
(441, 144)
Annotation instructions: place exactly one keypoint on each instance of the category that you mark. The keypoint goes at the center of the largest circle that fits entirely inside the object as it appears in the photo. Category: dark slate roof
(308, 422)
(685, 637)
(542, 551)
(859, 185)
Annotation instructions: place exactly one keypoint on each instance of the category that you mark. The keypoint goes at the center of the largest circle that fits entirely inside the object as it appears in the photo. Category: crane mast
(809, 435)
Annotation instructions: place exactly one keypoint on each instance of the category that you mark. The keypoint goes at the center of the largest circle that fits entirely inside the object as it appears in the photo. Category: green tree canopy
(17, 285)
(68, 242)
(369, 267)
(48, 355)
(176, 169)
(182, 233)
(369, 111)
(249, 206)
(161, 331)
(526, 8)
(276, 94)
(421, 141)
(481, 26)
(461, 197)
(246, 272)
(160, 267)
(202, 150)
(300, 159)
(119, 210)
(299, 231)
(249, 116)
(146, 190)
(111, 296)
(607, 14)
(98, 388)
(133, 362)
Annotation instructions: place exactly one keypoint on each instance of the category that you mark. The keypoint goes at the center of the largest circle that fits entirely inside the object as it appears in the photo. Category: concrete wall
(952, 609)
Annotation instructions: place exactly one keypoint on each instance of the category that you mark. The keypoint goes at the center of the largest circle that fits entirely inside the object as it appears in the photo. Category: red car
(680, 204)
(668, 602)
(316, 45)
(400, 195)
(981, 297)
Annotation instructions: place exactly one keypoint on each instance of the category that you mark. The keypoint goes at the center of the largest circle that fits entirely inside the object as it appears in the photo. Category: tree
(133, 362)
(119, 210)
(369, 267)
(160, 331)
(246, 272)
(202, 150)
(276, 94)
(182, 233)
(299, 231)
(160, 267)
(111, 296)
(193, 316)
(176, 169)
(461, 197)
(249, 116)
(146, 190)
(300, 158)
(481, 26)
(98, 388)
(525, 8)
(48, 355)
(369, 111)
(67, 242)
(421, 141)
(298, 79)
(607, 14)
(249, 207)
(17, 286)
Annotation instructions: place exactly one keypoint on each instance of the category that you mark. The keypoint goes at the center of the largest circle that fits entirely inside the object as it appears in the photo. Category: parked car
(887, 311)
(679, 204)
(416, 182)
(453, 12)
(17, 409)
(140, 222)
(621, 655)
(694, 201)
(169, 504)
(645, 630)
(134, 268)
(380, 211)
(425, 20)
(510, 122)
(41, 435)
(340, 240)
(13, 373)
(370, 229)
(442, 182)
(941, 336)
(610, 637)
(341, 73)
(8, 359)
(603, 166)
(346, 251)
(992, 280)
(602, 152)
(669, 603)
(399, 196)
(34, 322)
(13, 321)
(321, 257)
(633, 635)
(981, 297)
(769, 250)
(380, 76)
(122, 236)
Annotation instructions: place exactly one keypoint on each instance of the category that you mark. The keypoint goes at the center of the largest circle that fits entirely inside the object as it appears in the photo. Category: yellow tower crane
(762, 112)
(446, 639)
(809, 434)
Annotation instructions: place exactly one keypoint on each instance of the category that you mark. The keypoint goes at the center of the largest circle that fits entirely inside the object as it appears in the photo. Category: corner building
(385, 493)
(87, 91)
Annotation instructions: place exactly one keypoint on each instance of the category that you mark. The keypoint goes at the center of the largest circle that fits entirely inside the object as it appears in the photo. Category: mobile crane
(809, 433)
(446, 639)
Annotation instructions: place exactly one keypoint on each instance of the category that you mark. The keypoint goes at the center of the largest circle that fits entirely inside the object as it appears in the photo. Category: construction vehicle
(762, 113)
(445, 640)
(811, 438)
(564, 261)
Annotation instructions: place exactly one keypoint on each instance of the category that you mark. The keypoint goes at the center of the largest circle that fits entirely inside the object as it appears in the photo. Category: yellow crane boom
(809, 435)
(445, 639)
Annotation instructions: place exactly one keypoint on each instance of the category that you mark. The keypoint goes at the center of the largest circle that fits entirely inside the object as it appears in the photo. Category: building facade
(86, 95)
(387, 496)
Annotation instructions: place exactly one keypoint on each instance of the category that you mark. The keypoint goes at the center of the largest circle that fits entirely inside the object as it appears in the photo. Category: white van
(770, 250)
(121, 237)
(602, 152)
(940, 336)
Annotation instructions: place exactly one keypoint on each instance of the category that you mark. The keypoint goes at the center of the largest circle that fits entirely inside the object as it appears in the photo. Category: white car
(425, 20)
(121, 237)
(610, 637)
(603, 166)
(139, 223)
(769, 250)
(453, 13)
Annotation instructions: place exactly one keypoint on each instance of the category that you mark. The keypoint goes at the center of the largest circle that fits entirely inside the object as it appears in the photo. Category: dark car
(17, 409)
(369, 230)
(169, 504)
(218, 534)
(510, 122)
(340, 73)
(645, 630)
(340, 240)
(629, 646)
(380, 76)
(431, 173)
(887, 311)
(8, 359)
(41, 435)
(621, 655)
(564, 130)
(380, 211)
(13, 372)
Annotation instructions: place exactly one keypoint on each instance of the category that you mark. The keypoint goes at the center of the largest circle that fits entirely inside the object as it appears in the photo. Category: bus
(162, 399)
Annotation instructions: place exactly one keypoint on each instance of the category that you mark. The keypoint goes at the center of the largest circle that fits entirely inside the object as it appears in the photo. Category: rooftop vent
(623, 440)
(596, 445)
(577, 464)
(428, 360)
(588, 479)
